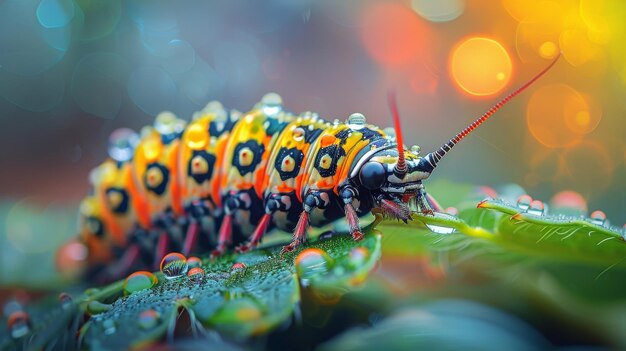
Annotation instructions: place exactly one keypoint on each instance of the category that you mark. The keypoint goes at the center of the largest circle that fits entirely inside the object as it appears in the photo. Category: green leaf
(239, 303)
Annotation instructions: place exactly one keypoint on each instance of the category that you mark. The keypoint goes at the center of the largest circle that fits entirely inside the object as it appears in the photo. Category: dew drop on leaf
(598, 217)
(440, 229)
(523, 202)
(148, 319)
(358, 256)
(174, 265)
(139, 281)
(65, 299)
(313, 261)
(238, 265)
(109, 327)
(196, 274)
(193, 262)
(18, 324)
(536, 208)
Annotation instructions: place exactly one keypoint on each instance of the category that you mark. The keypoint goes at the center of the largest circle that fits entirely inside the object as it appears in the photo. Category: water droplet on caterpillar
(523, 202)
(174, 265)
(196, 274)
(166, 123)
(536, 208)
(598, 217)
(356, 121)
(139, 281)
(271, 104)
(122, 144)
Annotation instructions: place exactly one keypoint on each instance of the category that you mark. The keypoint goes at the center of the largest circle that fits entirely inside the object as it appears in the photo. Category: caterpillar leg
(312, 200)
(225, 234)
(423, 203)
(161, 249)
(193, 229)
(274, 202)
(123, 265)
(348, 194)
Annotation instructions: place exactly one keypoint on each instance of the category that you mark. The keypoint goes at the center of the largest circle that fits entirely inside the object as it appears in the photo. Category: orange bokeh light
(480, 66)
(557, 115)
(392, 34)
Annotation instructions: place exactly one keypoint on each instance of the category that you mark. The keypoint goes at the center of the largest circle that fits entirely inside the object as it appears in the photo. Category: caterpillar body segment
(227, 177)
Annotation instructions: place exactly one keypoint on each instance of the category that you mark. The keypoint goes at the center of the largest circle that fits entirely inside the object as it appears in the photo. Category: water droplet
(65, 299)
(109, 326)
(237, 265)
(18, 324)
(271, 104)
(358, 256)
(390, 133)
(311, 262)
(167, 123)
(193, 262)
(122, 144)
(196, 274)
(139, 281)
(298, 134)
(440, 229)
(536, 208)
(598, 217)
(523, 202)
(174, 265)
(148, 319)
(356, 121)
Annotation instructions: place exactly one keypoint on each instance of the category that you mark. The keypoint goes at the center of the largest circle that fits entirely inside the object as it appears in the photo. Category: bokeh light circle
(480, 66)
(440, 10)
(27, 47)
(392, 34)
(55, 13)
(557, 115)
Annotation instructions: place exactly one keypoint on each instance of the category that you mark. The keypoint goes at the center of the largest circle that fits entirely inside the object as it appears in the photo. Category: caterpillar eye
(372, 175)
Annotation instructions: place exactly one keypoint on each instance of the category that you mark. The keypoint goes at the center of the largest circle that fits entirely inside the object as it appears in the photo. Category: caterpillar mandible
(229, 177)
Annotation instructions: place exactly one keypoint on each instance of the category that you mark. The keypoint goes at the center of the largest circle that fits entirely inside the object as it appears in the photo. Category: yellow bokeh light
(480, 66)
(548, 49)
(557, 115)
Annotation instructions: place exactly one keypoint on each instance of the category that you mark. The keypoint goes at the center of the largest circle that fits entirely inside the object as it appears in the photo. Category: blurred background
(72, 71)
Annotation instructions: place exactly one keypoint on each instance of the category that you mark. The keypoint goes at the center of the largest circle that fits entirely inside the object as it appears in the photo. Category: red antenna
(429, 162)
(400, 168)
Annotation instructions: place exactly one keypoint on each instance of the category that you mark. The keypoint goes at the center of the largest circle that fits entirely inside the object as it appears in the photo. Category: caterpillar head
(393, 175)
(393, 178)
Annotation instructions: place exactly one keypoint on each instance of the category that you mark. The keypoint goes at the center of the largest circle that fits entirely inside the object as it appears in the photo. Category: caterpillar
(229, 177)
